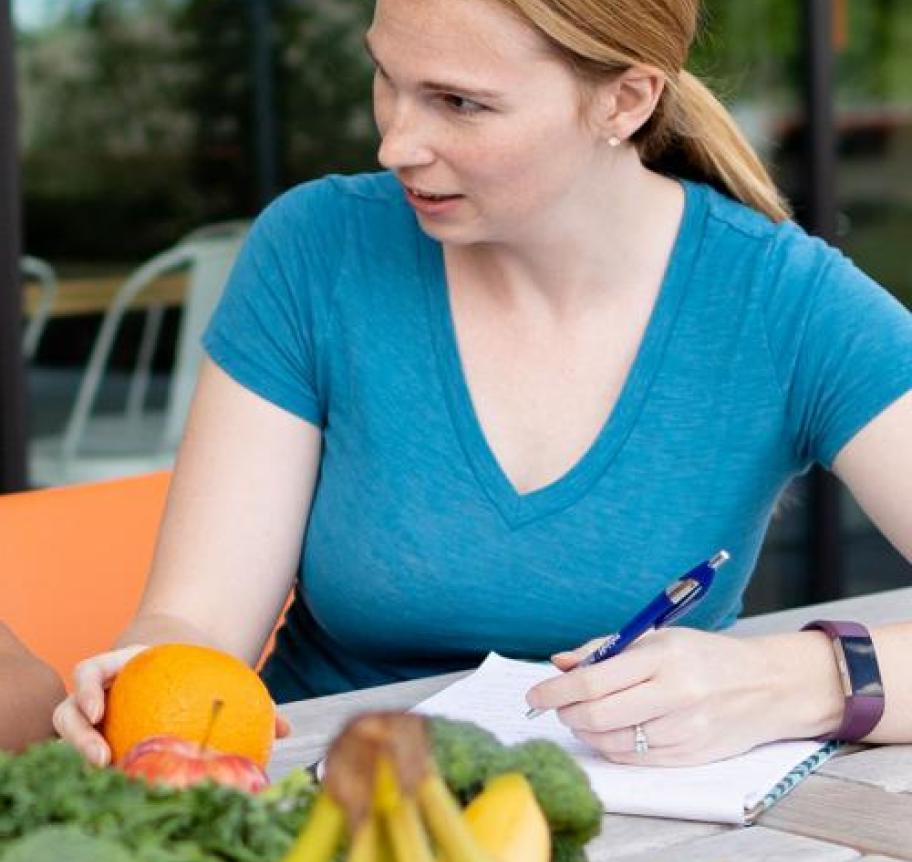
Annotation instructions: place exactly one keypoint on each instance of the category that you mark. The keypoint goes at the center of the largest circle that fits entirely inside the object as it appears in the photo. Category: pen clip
(685, 592)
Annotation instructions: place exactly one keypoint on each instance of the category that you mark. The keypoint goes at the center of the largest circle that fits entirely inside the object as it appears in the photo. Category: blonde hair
(690, 134)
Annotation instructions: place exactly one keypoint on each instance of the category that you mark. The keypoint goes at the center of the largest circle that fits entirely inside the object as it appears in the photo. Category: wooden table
(93, 294)
(857, 806)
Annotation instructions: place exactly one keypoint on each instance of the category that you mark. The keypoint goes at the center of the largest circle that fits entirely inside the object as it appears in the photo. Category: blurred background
(163, 126)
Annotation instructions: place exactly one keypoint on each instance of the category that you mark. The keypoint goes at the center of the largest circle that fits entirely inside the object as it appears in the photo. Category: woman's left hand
(282, 726)
(697, 696)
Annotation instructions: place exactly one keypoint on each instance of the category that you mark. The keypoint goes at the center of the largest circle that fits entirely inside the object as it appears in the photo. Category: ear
(624, 104)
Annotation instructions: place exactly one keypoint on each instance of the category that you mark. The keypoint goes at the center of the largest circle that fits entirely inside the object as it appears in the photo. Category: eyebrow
(437, 85)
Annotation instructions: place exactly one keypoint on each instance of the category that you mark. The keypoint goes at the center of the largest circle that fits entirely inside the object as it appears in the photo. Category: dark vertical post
(825, 580)
(12, 372)
(264, 105)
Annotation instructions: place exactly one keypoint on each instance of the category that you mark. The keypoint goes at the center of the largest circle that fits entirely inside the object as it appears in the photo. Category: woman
(29, 690)
(520, 381)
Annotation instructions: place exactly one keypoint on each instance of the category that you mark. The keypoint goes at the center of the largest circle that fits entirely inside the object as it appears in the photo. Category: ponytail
(692, 135)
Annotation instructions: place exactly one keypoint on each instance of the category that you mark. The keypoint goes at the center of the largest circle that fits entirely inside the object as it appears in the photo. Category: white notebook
(729, 791)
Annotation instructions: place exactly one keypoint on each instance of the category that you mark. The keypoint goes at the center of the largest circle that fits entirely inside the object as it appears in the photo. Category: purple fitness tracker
(859, 675)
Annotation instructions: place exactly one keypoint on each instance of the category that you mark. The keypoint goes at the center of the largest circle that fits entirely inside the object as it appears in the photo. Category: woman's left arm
(876, 466)
(702, 696)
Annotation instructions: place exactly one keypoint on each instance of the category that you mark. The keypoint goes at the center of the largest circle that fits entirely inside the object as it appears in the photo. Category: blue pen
(674, 601)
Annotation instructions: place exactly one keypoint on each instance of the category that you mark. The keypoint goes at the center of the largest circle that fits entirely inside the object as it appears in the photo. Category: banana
(321, 835)
(446, 823)
(383, 791)
(507, 822)
(407, 836)
(367, 845)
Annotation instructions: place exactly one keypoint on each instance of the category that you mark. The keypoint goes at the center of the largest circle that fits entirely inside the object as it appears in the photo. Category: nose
(404, 140)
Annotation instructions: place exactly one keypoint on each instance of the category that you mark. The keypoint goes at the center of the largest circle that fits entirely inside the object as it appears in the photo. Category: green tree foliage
(325, 91)
(139, 119)
(104, 131)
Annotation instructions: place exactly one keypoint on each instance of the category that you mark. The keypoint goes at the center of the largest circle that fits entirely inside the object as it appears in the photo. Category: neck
(600, 245)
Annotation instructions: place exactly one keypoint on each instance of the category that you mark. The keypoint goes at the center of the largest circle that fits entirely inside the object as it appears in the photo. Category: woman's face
(471, 107)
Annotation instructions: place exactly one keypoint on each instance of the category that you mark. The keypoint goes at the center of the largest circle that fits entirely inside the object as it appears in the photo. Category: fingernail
(98, 754)
(95, 711)
(561, 655)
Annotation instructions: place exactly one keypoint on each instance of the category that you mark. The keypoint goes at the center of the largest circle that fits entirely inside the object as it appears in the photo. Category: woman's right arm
(229, 543)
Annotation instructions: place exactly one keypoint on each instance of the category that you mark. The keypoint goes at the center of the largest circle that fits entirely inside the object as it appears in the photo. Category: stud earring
(614, 141)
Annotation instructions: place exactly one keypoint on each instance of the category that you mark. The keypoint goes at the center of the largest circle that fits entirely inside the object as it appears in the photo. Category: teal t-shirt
(766, 351)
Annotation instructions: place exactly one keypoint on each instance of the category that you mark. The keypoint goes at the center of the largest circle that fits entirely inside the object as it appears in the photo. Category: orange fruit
(170, 689)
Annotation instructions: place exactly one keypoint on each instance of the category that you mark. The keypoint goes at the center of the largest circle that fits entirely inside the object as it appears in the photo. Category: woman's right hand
(75, 718)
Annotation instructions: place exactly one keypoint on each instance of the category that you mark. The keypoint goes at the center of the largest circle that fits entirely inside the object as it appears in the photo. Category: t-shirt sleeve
(268, 328)
(841, 344)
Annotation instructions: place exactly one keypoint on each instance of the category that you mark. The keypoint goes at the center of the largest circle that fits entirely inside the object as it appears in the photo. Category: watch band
(860, 677)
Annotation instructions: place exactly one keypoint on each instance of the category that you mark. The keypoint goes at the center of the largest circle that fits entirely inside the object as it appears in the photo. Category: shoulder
(318, 223)
(784, 255)
(726, 214)
(740, 223)
(380, 187)
(334, 195)
(333, 215)
(789, 278)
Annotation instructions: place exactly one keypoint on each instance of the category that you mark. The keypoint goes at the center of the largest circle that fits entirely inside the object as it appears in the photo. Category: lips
(430, 204)
(430, 196)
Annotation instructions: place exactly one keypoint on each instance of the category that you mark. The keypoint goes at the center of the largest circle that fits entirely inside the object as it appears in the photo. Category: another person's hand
(697, 696)
(76, 717)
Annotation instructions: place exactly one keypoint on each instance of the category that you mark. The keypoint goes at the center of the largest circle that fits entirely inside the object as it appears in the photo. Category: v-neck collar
(518, 509)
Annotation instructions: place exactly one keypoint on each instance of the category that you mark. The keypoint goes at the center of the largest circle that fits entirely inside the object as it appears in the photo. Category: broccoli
(564, 849)
(561, 787)
(467, 756)
(464, 753)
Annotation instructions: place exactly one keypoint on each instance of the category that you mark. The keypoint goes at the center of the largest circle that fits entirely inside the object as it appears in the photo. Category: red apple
(174, 761)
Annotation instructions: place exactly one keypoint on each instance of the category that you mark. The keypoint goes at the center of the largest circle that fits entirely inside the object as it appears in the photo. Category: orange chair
(73, 562)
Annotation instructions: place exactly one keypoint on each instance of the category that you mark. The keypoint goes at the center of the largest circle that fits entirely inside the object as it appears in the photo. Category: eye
(461, 105)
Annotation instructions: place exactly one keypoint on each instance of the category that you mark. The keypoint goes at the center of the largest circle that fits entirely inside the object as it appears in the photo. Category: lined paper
(723, 792)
